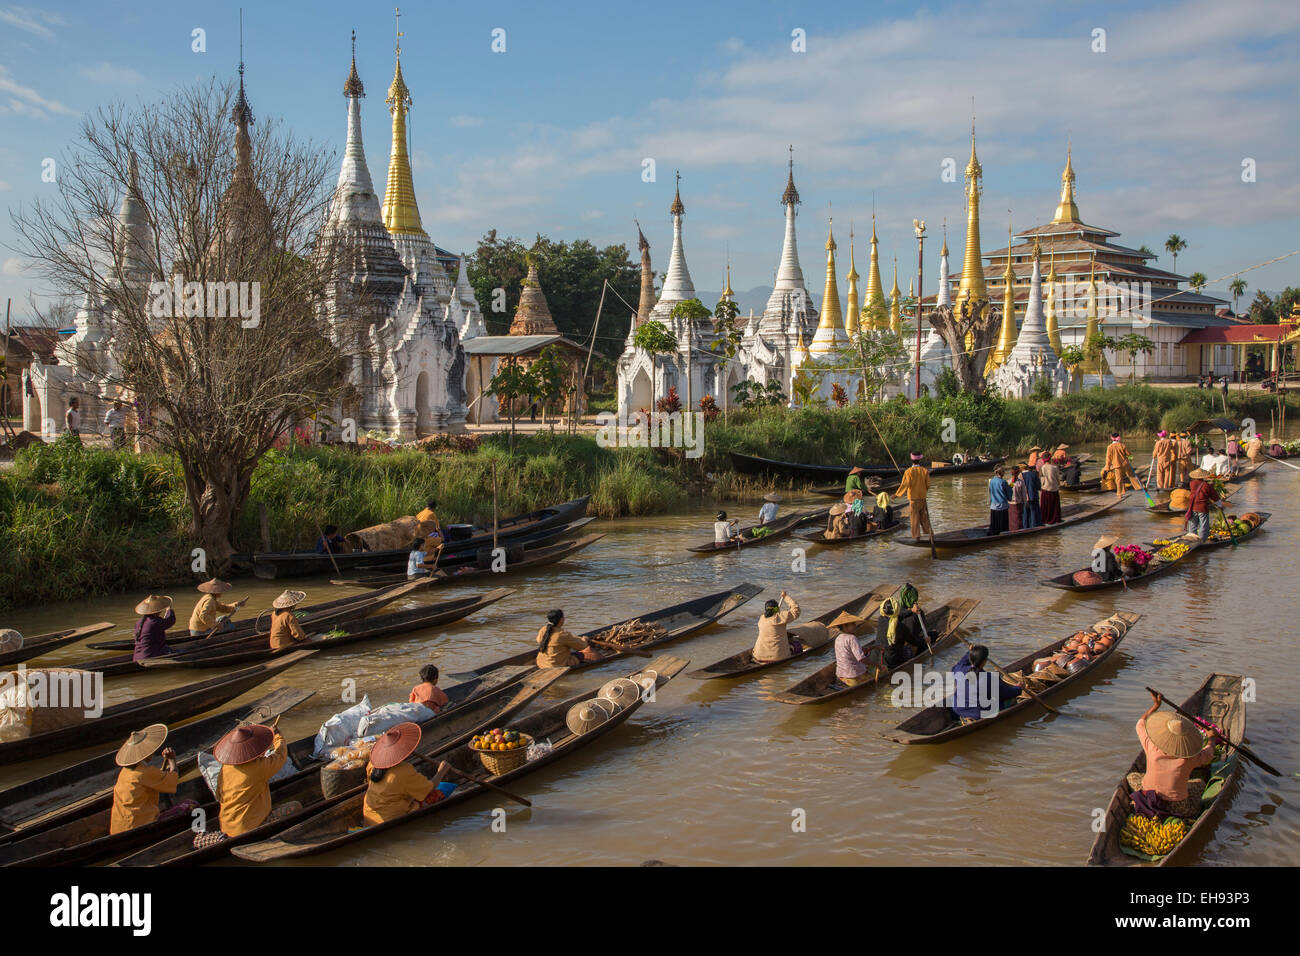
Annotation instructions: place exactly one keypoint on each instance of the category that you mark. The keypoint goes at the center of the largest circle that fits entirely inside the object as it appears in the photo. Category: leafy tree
(773, 394)
(1262, 310)
(571, 274)
(1197, 281)
(551, 376)
(512, 382)
(654, 338)
(875, 353)
(1073, 357)
(1134, 344)
(805, 382)
(1146, 249)
(1175, 244)
(727, 338)
(1238, 288)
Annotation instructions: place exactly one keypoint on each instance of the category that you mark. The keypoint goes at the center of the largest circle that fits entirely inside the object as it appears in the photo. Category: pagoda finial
(1067, 210)
(726, 292)
(973, 287)
(791, 195)
(353, 86)
(944, 250)
(401, 211)
(677, 209)
(397, 16)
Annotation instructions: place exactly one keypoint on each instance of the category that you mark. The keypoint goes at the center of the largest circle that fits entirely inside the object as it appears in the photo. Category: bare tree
(980, 320)
(210, 275)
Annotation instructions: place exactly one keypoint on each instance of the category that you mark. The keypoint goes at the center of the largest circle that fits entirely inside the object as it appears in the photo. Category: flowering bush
(1132, 554)
(710, 408)
(838, 395)
(669, 403)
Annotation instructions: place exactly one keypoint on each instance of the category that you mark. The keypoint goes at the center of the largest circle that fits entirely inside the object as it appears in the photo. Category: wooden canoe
(742, 664)
(678, 621)
(86, 787)
(164, 707)
(281, 564)
(1219, 701)
(341, 824)
(943, 469)
(779, 528)
(822, 686)
(754, 465)
(937, 725)
(350, 608)
(382, 625)
(43, 643)
(978, 536)
(1065, 582)
(1163, 509)
(1089, 485)
(472, 708)
(819, 537)
(532, 558)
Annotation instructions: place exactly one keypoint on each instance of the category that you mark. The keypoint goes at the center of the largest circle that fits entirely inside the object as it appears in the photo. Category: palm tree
(1175, 244)
(1238, 288)
(1197, 280)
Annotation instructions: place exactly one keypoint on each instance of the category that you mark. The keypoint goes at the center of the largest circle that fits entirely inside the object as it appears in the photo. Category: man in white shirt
(767, 513)
(115, 421)
(723, 530)
(73, 418)
(1223, 464)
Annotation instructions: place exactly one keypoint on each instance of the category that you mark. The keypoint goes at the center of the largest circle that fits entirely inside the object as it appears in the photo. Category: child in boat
(427, 692)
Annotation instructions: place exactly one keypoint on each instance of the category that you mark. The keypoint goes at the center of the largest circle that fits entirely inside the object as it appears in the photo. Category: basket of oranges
(501, 750)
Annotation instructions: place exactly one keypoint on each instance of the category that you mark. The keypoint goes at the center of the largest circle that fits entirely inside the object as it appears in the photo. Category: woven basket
(498, 762)
(336, 780)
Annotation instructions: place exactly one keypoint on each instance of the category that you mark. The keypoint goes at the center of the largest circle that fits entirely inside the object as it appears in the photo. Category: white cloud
(109, 74)
(26, 101)
(13, 267)
(464, 122)
(32, 21)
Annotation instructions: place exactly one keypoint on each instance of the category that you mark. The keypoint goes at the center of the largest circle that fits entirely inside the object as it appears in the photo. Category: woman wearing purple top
(850, 661)
(156, 615)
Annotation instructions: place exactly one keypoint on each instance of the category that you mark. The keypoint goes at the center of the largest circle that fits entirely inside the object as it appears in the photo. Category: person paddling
(915, 485)
(285, 629)
(851, 663)
(250, 756)
(210, 614)
(1203, 494)
(773, 642)
(139, 784)
(968, 704)
(560, 647)
(156, 615)
(767, 513)
(394, 788)
(1174, 748)
(724, 531)
(1118, 466)
(898, 632)
(854, 480)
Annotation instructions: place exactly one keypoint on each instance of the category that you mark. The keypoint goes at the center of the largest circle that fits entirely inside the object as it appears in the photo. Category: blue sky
(550, 136)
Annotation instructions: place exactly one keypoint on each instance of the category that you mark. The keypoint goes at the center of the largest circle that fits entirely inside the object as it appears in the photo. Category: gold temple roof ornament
(832, 318)
(895, 295)
(853, 307)
(875, 294)
(973, 287)
(1067, 210)
(401, 213)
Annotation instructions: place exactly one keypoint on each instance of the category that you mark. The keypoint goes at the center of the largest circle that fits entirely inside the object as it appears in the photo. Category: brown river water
(713, 773)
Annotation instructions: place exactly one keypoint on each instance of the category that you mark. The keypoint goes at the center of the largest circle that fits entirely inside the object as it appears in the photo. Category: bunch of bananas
(1161, 542)
(1152, 837)
(1172, 552)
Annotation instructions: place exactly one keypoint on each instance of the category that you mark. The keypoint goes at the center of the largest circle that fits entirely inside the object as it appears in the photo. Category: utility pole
(919, 226)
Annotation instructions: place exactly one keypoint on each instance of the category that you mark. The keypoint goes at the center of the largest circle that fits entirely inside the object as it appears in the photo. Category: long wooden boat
(819, 537)
(472, 708)
(777, 529)
(1089, 485)
(822, 686)
(281, 564)
(979, 536)
(1163, 509)
(341, 824)
(382, 625)
(532, 558)
(1247, 472)
(677, 620)
(44, 643)
(754, 465)
(87, 787)
(350, 608)
(164, 707)
(742, 664)
(1065, 582)
(937, 725)
(1218, 701)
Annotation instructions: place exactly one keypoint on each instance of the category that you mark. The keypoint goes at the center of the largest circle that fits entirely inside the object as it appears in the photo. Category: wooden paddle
(1281, 462)
(1241, 749)
(925, 632)
(490, 786)
(329, 549)
(1025, 686)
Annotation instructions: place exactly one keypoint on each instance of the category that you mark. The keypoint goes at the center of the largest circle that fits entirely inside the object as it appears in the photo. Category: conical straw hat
(621, 692)
(584, 717)
(215, 586)
(1173, 735)
(10, 640)
(153, 604)
(141, 745)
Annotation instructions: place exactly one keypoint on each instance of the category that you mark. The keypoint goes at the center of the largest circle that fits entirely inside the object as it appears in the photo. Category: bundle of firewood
(631, 633)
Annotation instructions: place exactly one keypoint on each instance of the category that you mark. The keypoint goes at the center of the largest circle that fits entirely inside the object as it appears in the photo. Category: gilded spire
(1007, 333)
(973, 287)
(853, 308)
(677, 209)
(895, 302)
(875, 294)
(1067, 210)
(830, 335)
(354, 87)
(1098, 365)
(401, 213)
(1053, 328)
(727, 293)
